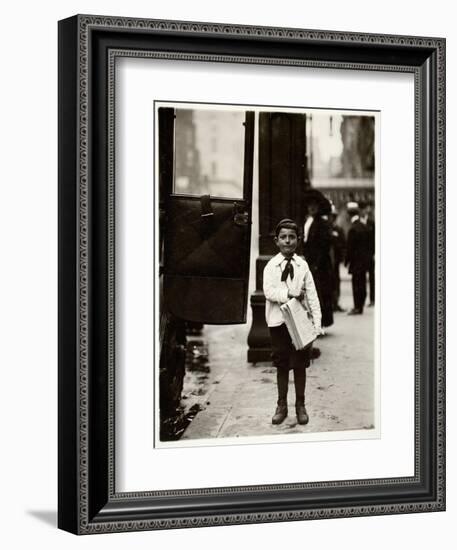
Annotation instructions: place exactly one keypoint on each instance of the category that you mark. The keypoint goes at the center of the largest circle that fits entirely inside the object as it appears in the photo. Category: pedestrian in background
(358, 254)
(371, 267)
(317, 242)
(338, 252)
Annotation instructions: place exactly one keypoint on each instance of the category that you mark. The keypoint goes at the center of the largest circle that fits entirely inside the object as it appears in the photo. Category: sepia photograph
(267, 302)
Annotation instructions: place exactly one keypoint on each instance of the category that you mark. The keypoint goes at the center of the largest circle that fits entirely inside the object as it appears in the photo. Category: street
(236, 399)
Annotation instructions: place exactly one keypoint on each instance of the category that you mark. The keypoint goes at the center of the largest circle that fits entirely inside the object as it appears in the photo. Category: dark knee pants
(286, 357)
(283, 353)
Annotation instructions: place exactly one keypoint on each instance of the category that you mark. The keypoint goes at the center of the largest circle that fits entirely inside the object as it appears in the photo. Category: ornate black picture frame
(88, 501)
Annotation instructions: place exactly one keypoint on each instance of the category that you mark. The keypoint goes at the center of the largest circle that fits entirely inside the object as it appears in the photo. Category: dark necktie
(288, 270)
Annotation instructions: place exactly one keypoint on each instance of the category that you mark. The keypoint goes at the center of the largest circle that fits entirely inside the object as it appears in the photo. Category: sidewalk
(238, 399)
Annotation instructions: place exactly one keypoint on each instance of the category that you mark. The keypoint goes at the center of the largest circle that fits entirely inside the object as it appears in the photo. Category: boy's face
(286, 241)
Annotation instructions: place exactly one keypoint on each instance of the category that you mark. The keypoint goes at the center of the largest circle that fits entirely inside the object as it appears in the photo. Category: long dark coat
(360, 247)
(317, 253)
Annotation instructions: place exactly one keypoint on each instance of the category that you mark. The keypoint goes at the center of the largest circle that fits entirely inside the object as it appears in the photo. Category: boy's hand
(299, 294)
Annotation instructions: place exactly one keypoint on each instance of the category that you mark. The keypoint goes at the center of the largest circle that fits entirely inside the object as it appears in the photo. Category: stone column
(282, 180)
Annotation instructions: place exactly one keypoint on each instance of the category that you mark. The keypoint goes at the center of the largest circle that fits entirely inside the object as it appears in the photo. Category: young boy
(288, 276)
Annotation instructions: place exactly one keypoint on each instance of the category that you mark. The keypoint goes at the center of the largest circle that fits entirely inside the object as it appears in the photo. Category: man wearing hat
(317, 240)
(358, 254)
(371, 269)
(338, 252)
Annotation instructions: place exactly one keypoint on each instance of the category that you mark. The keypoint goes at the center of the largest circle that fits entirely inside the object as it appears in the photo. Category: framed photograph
(236, 203)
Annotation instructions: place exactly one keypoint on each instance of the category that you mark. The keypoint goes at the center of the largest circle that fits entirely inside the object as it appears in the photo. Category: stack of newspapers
(299, 324)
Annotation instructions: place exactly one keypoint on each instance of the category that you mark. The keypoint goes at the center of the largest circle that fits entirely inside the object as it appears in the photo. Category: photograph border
(347, 433)
(88, 46)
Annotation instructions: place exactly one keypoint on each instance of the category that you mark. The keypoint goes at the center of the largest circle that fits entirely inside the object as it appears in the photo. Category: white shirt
(276, 291)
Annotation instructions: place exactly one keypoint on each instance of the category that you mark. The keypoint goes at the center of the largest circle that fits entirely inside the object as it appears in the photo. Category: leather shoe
(355, 312)
(302, 415)
(280, 414)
